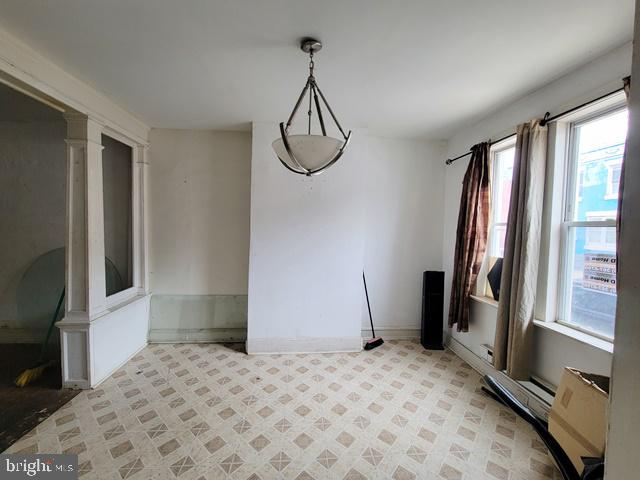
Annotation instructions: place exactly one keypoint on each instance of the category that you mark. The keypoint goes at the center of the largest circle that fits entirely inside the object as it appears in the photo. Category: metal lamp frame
(310, 46)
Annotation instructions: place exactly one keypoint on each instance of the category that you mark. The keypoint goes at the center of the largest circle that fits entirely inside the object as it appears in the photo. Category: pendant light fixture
(310, 154)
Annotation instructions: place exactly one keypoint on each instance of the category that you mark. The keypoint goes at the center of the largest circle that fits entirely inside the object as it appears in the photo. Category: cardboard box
(578, 417)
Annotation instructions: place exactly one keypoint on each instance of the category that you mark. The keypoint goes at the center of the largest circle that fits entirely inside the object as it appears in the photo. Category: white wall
(588, 82)
(306, 253)
(404, 191)
(32, 205)
(624, 420)
(199, 219)
(199, 185)
(199, 194)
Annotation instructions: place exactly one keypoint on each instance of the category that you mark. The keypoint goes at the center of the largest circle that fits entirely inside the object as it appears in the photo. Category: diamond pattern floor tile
(209, 411)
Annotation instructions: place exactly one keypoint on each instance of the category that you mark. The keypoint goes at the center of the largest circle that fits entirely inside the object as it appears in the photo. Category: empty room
(284, 239)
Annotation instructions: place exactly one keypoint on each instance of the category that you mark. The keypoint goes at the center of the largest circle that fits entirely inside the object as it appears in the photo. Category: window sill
(576, 335)
(486, 300)
(117, 299)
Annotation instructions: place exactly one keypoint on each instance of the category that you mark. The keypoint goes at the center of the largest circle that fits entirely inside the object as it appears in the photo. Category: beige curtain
(627, 90)
(471, 235)
(514, 328)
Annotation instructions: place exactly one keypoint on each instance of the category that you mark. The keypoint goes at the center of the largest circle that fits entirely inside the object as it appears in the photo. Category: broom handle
(53, 321)
(373, 332)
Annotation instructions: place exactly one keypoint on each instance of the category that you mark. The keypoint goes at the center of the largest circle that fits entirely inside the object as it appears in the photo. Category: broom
(32, 374)
(375, 341)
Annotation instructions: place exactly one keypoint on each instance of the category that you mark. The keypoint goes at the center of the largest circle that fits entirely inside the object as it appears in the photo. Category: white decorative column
(85, 297)
(140, 246)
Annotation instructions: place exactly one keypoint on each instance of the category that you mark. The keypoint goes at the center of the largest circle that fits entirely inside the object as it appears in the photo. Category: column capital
(81, 127)
(142, 154)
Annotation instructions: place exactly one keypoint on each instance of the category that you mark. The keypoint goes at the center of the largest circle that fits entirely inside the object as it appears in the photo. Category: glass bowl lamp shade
(310, 154)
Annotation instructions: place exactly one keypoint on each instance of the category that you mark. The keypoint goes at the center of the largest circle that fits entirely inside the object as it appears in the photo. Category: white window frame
(551, 300)
(602, 244)
(482, 284)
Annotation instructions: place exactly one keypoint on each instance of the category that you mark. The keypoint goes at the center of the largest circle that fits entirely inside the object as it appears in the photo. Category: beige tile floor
(208, 411)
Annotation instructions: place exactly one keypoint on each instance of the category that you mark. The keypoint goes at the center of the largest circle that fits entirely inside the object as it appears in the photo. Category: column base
(75, 341)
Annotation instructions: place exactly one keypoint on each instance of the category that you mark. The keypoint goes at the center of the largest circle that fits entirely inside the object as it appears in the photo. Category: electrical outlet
(488, 349)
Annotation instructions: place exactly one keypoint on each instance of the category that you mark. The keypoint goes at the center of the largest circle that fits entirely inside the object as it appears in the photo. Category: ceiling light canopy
(310, 154)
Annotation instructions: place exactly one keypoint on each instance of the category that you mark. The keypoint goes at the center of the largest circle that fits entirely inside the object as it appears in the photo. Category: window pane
(599, 151)
(591, 296)
(496, 249)
(503, 174)
(118, 237)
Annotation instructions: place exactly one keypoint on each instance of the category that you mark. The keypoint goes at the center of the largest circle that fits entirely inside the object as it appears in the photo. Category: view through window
(501, 158)
(588, 296)
(502, 174)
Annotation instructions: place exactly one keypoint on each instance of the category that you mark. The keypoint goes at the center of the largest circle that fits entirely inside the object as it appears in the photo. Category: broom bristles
(373, 343)
(30, 375)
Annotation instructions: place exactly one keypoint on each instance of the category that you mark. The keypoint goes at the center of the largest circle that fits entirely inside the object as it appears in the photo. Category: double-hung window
(587, 283)
(501, 167)
(577, 274)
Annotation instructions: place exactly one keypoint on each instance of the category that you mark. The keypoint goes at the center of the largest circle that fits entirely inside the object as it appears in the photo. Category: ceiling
(406, 68)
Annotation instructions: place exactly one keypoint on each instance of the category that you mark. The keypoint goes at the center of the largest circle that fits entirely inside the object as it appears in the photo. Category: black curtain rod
(451, 160)
(545, 120)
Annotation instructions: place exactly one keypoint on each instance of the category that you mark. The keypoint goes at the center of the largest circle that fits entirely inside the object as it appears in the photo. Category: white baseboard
(259, 346)
(530, 395)
(197, 335)
(393, 333)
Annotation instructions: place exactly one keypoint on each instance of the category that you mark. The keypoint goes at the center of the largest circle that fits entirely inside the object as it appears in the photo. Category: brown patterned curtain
(514, 326)
(627, 90)
(471, 237)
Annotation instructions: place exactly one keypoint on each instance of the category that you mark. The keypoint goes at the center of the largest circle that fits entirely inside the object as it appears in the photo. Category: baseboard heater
(537, 381)
(537, 398)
